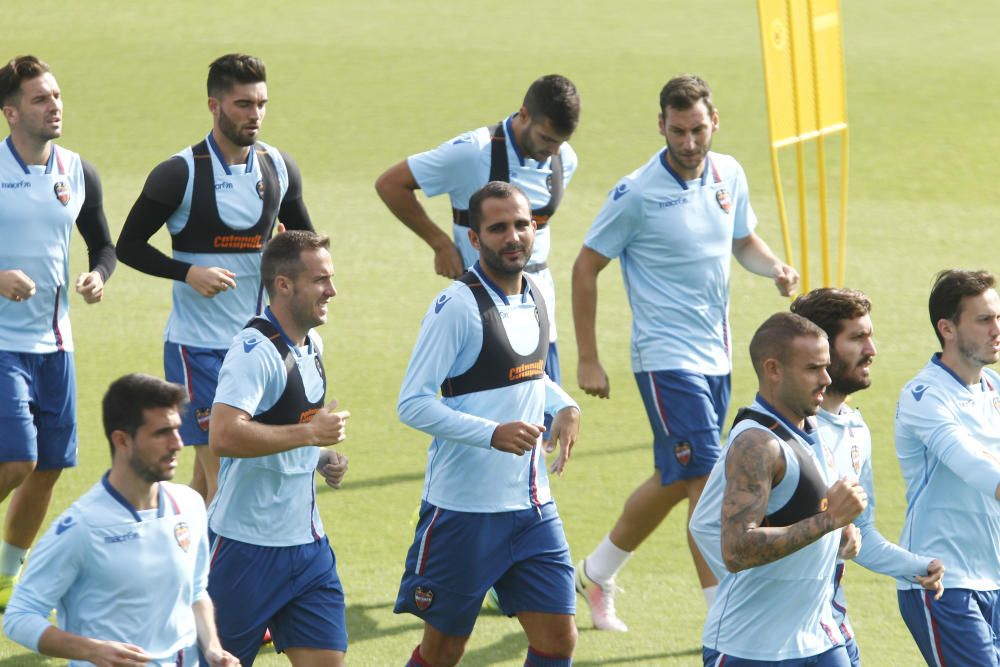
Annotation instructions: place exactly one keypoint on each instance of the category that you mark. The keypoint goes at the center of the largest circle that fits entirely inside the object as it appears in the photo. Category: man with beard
(948, 444)
(476, 383)
(675, 223)
(219, 200)
(844, 315)
(45, 190)
(126, 565)
(772, 511)
(272, 565)
(529, 149)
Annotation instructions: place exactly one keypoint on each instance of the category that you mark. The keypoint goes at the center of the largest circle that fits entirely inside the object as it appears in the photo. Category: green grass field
(356, 86)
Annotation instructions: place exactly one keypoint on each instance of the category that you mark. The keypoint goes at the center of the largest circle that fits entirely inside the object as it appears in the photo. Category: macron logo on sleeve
(439, 304)
(249, 345)
(64, 525)
(619, 192)
(918, 392)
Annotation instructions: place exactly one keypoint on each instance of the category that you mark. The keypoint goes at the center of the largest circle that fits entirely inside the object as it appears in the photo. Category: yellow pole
(782, 212)
(824, 232)
(799, 156)
(842, 254)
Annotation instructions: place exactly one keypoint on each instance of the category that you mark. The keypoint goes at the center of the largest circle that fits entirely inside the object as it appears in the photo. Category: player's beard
(973, 353)
(230, 130)
(150, 472)
(843, 381)
(495, 260)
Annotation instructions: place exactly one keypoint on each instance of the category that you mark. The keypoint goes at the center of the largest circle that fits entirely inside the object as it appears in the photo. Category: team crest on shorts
(183, 535)
(725, 203)
(423, 598)
(856, 459)
(203, 416)
(683, 453)
(260, 189)
(62, 192)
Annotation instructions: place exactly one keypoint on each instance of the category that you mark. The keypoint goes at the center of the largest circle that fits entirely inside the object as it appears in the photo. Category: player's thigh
(197, 369)
(685, 411)
(311, 657)
(552, 634)
(314, 616)
(540, 579)
(454, 559)
(54, 394)
(952, 630)
(18, 433)
(248, 584)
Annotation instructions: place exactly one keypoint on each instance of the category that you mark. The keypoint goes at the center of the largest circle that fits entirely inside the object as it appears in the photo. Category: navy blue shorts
(686, 411)
(197, 369)
(294, 591)
(457, 556)
(835, 657)
(962, 628)
(38, 409)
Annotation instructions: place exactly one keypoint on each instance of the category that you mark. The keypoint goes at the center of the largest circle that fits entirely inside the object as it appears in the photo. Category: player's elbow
(733, 557)
(389, 185)
(221, 438)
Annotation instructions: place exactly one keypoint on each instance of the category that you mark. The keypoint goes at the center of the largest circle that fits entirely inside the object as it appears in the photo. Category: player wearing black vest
(221, 200)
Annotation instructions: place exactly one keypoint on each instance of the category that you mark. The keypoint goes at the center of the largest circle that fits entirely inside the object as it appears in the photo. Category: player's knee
(445, 652)
(13, 474)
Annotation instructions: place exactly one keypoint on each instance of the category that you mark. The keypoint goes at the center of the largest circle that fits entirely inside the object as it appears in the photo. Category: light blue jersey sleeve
(448, 343)
(451, 167)
(617, 222)
(877, 553)
(744, 219)
(253, 376)
(556, 397)
(942, 432)
(53, 568)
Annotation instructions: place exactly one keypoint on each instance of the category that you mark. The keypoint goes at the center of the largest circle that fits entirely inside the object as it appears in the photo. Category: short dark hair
(773, 338)
(554, 97)
(492, 190)
(829, 307)
(127, 398)
(283, 255)
(950, 287)
(233, 68)
(683, 92)
(17, 70)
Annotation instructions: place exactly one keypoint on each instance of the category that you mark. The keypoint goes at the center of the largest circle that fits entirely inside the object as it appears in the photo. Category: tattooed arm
(754, 465)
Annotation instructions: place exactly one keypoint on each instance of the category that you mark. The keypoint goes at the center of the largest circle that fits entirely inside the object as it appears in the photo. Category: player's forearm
(204, 621)
(401, 199)
(134, 249)
(427, 413)
(58, 643)
(756, 545)
(241, 438)
(755, 256)
(585, 310)
(882, 556)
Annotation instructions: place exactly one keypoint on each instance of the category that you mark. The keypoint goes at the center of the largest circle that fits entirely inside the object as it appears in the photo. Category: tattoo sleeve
(754, 465)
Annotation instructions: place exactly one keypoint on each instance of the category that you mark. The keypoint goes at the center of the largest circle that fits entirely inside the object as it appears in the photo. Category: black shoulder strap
(766, 421)
(499, 166)
(264, 325)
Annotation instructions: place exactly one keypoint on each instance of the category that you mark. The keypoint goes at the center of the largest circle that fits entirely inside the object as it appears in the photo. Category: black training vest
(498, 365)
(205, 232)
(500, 171)
(293, 407)
(809, 497)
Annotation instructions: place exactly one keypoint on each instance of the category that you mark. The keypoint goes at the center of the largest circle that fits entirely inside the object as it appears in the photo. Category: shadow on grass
(651, 657)
(28, 660)
(374, 482)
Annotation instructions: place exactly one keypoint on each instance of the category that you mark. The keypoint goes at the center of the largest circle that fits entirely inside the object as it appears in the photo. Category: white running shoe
(601, 600)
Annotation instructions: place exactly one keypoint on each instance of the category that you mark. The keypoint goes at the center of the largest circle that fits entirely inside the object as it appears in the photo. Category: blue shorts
(962, 628)
(294, 591)
(457, 556)
(197, 369)
(835, 657)
(853, 653)
(38, 409)
(686, 411)
(552, 364)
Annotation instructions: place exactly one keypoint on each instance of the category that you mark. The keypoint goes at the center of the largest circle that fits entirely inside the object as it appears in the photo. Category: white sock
(605, 562)
(709, 594)
(11, 559)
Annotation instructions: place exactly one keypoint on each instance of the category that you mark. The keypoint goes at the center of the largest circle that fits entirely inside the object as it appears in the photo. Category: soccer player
(126, 565)
(948, 444)
(772, 511)
(219, 200)
(675, 223)
(272, 565)
(44, 190)
(487, 516)
(845, 316)
(527, 149)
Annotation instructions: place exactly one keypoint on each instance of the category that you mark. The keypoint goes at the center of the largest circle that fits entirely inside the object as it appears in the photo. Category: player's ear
(715, 120)
(474, 239)
(213, 105)
(282, 284)
(662, 121)
(771, 370)
(946, 328)
(120, 439)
